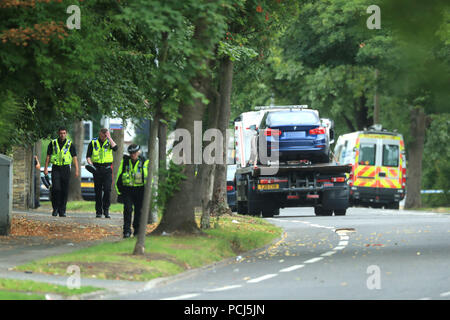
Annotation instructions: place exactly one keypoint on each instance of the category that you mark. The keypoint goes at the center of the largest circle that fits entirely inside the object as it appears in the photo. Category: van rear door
(365, 174)
(389, 169)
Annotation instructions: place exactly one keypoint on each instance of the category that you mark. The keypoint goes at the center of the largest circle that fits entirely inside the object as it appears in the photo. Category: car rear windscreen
(291, 118)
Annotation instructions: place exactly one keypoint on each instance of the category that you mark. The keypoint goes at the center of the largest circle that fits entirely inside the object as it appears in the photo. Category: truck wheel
(269, 211)
(319, 211)
(252, 208)
(253, 201)
(340, 212)
(241, 208)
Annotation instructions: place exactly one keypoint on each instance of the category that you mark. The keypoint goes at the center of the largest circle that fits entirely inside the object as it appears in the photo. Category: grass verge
(165, 255)
(12, 289)
(82, 206)
(444, 210)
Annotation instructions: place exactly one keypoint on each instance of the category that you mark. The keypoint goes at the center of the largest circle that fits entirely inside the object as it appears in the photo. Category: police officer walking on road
(60, 153)
(130, 185)
(100, 155)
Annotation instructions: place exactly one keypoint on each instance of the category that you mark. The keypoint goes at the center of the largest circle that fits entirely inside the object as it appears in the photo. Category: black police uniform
(60, 181)
(102, 183)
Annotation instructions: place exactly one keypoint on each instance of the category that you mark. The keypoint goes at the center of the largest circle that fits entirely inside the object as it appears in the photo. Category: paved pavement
(19, 250)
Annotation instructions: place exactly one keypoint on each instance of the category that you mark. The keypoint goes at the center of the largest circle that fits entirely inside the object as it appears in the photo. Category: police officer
(60, 153)
(130, 184)
(100, 155)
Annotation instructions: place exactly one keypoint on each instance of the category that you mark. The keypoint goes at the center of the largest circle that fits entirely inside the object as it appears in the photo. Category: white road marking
(445, 294)
(339, 248)
(224, 288)
(313, 260)
(292, 268)
(267, 276)
(183, 297)
(327, 254)
(344, 237)
(343, 243)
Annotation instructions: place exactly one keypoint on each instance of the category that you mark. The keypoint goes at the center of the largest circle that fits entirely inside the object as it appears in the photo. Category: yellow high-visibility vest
(62, 156)
(101, 153)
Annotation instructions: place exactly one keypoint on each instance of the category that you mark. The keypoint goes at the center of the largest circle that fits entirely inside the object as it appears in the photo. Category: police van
(377, 157)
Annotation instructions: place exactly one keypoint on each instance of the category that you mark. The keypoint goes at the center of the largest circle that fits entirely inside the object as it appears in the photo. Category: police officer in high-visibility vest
(130, 185)
(60, 153)
(100, 155)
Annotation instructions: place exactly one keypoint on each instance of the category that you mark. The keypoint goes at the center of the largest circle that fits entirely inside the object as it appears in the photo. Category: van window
(367, 154)
(390, 155)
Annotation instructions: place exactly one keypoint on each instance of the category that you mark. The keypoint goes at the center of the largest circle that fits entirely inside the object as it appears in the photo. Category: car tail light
(272, 132)
(230, 188)
(319, 130)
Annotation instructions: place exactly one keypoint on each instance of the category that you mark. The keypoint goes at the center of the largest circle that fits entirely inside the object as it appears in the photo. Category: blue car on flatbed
(300, 135)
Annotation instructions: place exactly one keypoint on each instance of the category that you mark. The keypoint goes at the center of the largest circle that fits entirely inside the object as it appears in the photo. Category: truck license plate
(268, 186)
(87, 184)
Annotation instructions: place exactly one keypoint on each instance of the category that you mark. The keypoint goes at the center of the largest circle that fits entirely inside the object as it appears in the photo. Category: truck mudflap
(335, 198)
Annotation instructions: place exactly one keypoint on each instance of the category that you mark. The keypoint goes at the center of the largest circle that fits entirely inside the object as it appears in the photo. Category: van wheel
(393, 205)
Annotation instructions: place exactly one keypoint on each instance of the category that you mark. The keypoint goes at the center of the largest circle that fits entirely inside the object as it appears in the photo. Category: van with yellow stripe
(378, 163)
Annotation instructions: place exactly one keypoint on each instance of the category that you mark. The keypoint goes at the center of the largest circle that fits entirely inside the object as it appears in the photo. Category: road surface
(368, 254)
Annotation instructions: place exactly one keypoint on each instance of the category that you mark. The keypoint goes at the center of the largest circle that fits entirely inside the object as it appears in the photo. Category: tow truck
(264, 188)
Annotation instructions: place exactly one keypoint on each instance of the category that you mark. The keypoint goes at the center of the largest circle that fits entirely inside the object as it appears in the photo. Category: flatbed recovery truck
(322, 186)
(264, 189)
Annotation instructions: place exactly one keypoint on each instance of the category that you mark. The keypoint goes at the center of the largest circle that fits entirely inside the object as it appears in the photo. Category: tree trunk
(75, 182)
(415, 153)
(162, 141)
(139, 248)
(179, 215)
(118, 137)
(220, 174)
(206, 175)
(363, 120)
(376, 101)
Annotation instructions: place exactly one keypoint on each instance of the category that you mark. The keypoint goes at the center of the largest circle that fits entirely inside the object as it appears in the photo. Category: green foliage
(49, 72)
(436, 168)
(10, 112)
(173, 177)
